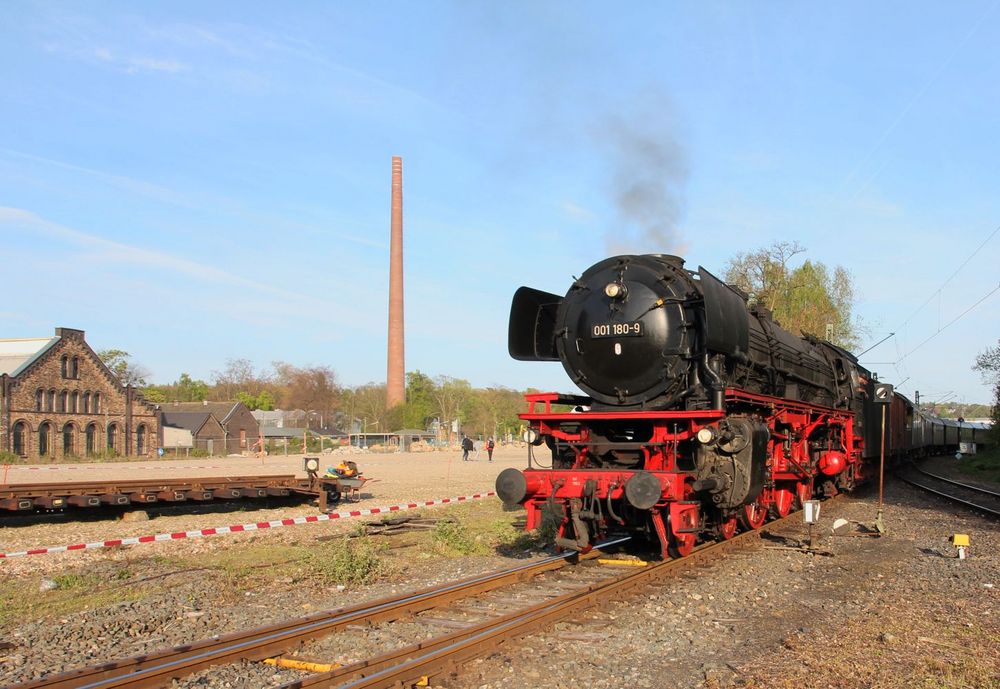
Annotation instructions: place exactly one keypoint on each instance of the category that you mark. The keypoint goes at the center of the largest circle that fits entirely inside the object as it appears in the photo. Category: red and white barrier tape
(243, 528)
(116, 467)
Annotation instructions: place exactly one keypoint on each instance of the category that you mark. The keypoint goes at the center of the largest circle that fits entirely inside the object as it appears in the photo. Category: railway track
(480, 613)
(70, 498)
(980, 499)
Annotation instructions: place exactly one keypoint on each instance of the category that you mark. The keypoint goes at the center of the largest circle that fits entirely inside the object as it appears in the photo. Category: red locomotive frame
(795, 471)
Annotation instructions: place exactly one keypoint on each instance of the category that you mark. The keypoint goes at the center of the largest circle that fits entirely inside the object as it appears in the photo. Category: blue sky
(193, 182)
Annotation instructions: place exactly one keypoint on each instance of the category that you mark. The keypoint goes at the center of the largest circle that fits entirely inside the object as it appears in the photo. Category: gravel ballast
(897, 611)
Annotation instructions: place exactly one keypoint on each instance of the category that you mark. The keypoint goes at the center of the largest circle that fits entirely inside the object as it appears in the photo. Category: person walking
(466, 447)
(489, 448)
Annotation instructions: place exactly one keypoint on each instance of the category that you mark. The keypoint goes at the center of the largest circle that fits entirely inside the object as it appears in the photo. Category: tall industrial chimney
(395, 390)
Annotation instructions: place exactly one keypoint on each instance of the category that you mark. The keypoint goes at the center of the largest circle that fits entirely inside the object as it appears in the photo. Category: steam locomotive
(702, 414)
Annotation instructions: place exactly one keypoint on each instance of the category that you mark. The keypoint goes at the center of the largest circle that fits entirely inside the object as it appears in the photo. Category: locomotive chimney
(395, 390)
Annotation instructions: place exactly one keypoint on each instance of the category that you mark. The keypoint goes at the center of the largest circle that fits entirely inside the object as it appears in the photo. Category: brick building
(206, 432)
(58, 399)
(241, 430)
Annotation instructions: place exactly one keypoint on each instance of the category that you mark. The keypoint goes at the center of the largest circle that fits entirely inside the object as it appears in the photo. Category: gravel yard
(899, 611)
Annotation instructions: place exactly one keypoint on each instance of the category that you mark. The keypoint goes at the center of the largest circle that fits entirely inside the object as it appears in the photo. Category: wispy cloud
(123, 62)
(577, 212)
(117, 252)
(119, 181)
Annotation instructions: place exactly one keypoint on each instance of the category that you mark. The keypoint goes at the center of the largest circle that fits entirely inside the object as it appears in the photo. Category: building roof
(17, 355)
(189, 420)
(221, 410)
(415, 432)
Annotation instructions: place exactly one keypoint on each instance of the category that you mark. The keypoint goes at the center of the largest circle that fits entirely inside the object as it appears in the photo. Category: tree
(120, 363)
(367, 402)
(264, 401)
(988, 365)
(187, 389)
(806, 299)
(237, 376)
(418, 411)
(450, 397)
(494, 410)
(311, 389)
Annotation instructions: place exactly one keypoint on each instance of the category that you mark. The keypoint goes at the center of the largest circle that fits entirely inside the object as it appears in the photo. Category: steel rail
(158, 668)
(953, 482)
(949, 496)
(406, 666)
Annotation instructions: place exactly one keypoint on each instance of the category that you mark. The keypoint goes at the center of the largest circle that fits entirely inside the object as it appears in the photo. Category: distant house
(204, 430)
(240, 429)
(272, 419)
(58, 399)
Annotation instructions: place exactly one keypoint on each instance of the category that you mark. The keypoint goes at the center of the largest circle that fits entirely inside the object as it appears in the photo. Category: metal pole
(879, 525)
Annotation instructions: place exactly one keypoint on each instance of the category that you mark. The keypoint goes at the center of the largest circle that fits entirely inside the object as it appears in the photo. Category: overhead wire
(937, 292)
(953, 320)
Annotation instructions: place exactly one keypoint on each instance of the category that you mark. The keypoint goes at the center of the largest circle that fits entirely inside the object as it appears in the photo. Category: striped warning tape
(243, 528)
(117, 467)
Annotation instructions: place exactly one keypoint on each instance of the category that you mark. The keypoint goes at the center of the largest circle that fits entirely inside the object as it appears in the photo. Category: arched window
(20, 434)
(140, 440)
(43, 438)
(74, 402)
(68, 438)
(91, 438)
(112, 437)
(97, 403)
(63, 401)
(86, 403)
(74, 368)
(64, 366)
(51, 406)
(39, 399)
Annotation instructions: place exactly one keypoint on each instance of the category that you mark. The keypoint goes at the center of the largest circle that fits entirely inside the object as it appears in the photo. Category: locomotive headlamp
(706, 435)
(615, 290)
(530, 436)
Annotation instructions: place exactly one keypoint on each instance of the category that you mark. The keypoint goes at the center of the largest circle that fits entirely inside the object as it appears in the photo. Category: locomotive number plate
(633, 329)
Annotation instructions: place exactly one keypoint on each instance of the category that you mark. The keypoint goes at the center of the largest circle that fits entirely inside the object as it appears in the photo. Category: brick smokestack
(395, 391)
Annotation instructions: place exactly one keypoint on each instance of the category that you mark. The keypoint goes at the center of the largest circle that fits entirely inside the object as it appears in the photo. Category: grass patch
(983, 466)
(341, 561)
(484, 529)
(21, 598)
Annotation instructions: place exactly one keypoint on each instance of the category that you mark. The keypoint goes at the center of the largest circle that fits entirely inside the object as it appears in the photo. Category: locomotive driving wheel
(754, 515)
(781, 506)
(727, 527)
(803, 491)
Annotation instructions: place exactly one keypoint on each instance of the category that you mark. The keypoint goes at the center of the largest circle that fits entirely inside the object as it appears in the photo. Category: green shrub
(454, 538)
(348, 561)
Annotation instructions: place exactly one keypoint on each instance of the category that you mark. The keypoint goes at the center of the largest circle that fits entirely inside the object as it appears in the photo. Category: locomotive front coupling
(588, 503)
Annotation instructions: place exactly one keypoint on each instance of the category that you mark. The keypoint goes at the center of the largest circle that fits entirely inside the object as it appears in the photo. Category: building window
(243, 437)
(64, 366)
(39, 399)
(112, 438)
(140, 440)
(74, 402)
(74, 368)
(97, 403)
(91, 438)
(19, 435)
(86, 403)
(68, 434)
(51, 401)
(43, 438)
(63, 401)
